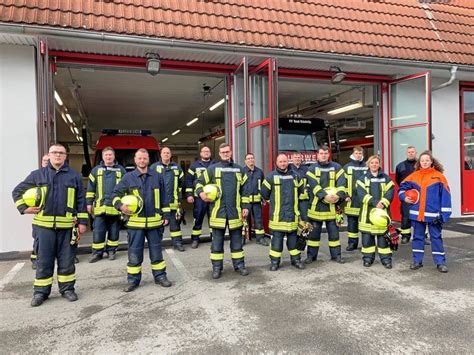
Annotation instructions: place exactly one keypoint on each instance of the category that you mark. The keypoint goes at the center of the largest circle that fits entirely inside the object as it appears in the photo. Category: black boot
(179, 247)
(71, 296)
(112, 255)
(195, 244)
(416, 266)
(274, 267)
(130, 287)
(163, 281)
(442, 268)
(216, 273)
(388, 265)
(95, 258)
(309, 260)
(38, 299)
(405, 239)
(263, 241)
(338, 259)
(298, 264)
(242, 271)
(351, 247)
(367, 263)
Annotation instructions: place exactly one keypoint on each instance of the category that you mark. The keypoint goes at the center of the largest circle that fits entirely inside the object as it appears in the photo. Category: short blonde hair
(372, 157)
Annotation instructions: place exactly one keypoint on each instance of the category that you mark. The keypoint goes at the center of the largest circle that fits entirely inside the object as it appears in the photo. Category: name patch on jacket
(326, 169)
(285, 177)
(377, 180)
(229, 170)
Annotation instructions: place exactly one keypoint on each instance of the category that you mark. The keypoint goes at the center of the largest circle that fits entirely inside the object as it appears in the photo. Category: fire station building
(266, 76)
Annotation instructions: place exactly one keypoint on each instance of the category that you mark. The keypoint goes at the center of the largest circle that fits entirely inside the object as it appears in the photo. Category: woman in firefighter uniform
(146, 222)
(326, 188)
(226, 211)
(376, 190)
(427, 193)
(102, 181)
(281, 188)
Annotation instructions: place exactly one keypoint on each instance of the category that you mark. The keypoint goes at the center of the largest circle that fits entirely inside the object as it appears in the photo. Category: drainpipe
(454, 69)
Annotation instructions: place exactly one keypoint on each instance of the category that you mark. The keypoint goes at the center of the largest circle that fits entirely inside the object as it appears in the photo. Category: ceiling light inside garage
(216, 105)
(58, 99)
(69, 118)
(176, 132)
(192, 121)
(350, 107)
(164, 140)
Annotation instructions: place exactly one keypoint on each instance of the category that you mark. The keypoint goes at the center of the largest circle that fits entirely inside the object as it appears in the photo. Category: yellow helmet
(212, 191)
(134, 203)
(330, 191)
(379, 218)
(34, 197)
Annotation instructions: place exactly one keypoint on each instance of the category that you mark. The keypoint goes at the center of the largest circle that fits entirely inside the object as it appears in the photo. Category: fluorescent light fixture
(69, 118)
(64, 118)
(58, 99)
(342, 140)
(80, 139)
(403, 144)
(199, 142)
(176, 132)
(472, 143)
(192, 121)
(216, 105)
(164, 140)
(408, 117)
(369, 136)
(76, 130)
(346, 108)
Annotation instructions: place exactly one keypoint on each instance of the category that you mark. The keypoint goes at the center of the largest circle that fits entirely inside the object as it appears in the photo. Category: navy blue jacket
(254, 183)
(173, 175)
(194, 172)
(404, 169)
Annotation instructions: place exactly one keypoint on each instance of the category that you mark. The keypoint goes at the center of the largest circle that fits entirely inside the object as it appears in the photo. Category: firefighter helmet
(379, 218)
(212, 191)
(34, 197)
(133, 202)
(330, 191)
(413, 195)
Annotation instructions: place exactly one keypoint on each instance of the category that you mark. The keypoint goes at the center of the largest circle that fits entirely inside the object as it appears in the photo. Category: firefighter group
(301, 199)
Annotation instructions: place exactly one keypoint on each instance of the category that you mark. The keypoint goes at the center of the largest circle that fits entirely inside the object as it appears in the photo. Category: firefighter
(402, 170)
(64, 205)
(353, 170)
(326, 184)
(300, 170)
(148, 222)
(375, 190)
(254, 183)
(431, 209)
(102, 181)
(282, 188)
(226, 211)
(173, 177)
(200, 208)
(33, 256)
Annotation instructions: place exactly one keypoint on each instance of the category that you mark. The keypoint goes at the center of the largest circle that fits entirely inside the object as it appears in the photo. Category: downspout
(454, 69)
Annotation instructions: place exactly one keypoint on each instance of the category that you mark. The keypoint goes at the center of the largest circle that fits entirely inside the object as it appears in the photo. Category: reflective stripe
(314, 243)
(368, 250)
(217, 256)
(90, 194)
(384, 251)
(66, 278)
(353, 235)
(113, 243)
(43, 282)
(20, 202)
(133, 270)
(437, 253)
(196, 232)
(237, 255)
(275, 254)
(334, 243)
(100, 193)
(159, 266)
(405, 231)
(98, 246)
(294, 252)
(176, 234)
(33, 256)
(82, 215)
(92, 178)
(445, 209)
(259, 231)
(276, 211)
(283, 226)
(418, 251)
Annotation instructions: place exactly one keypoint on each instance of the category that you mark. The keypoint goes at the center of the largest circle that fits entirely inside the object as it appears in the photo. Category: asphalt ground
(328, 308)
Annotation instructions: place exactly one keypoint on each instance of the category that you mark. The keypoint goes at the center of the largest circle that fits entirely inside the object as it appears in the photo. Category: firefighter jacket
(372, 190)
(435, 198)
(404, 169)
(231, 180)
(301, 174)
(102, 181)
(353, 171)
(173, 176)
(194, 172)
(254, 184)
(64, 197)
(321, 176)
(281, 189)
(150, 186)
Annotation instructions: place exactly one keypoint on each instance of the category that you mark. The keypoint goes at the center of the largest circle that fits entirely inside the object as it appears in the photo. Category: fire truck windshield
(296, 141)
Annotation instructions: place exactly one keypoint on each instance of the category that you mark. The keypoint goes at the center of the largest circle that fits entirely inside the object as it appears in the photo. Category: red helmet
(413, 195)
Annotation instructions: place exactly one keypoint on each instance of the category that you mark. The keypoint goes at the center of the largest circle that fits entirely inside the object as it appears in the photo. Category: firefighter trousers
(276, 247)
(105, 227)
(136, 246)
(383, 248)
(405, 226)
(353, 230)
(418, 244)
(255, 217)
(236, 249)
(314, 240)
(175, 229)
(54, 245)
(34, 251)
(200, 210)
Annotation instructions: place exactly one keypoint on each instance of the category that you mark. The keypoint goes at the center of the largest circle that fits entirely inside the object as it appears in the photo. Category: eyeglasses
(226, 152)
(57, 153)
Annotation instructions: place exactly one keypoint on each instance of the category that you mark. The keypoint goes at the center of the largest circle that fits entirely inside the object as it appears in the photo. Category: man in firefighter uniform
(326, 187)
(226, 211)
(173, 176)
(148, 222)
(282, 188)
(63, 205)
(102, 181)
(376, 190)
(200, 208)
(402, 171)
(353, 170)
(255, 178)
(300, 170)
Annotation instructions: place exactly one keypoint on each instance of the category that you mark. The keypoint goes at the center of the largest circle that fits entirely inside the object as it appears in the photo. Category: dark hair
(166, 147)
(204, 146)
(246, 155)
(324, 147)
(435, 162)
(108, 148)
